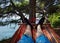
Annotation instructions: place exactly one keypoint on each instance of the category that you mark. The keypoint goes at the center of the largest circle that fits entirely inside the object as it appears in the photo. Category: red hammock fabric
(22, 29)
(18, 33)
(51, 34)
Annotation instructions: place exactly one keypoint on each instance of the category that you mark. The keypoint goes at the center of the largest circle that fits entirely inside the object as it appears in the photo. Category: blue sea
(8, 31)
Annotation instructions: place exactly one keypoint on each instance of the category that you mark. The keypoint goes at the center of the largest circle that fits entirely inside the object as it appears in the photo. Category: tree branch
(18, 12)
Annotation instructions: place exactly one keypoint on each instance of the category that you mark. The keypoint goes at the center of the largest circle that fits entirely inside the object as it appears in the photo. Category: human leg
(41, 38)
(27, 37)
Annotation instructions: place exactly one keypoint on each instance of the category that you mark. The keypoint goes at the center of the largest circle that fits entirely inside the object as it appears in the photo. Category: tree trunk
(32, 12)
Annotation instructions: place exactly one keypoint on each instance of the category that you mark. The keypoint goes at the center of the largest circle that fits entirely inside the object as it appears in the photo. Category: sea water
(8, 31)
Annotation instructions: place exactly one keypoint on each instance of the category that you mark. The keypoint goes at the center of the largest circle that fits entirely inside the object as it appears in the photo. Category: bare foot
(28, 30)
(39, 31)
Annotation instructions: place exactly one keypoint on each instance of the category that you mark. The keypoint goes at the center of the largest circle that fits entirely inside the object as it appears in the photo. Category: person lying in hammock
(40, 37)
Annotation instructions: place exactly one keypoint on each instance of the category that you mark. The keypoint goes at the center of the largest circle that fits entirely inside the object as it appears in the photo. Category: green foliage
(55, 19)
(53, 9)
(7, 9)
(21, 4)
(56, 23)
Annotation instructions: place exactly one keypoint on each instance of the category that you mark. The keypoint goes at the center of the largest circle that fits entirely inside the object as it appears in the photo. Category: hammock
(47, 30)
(50, 33)
(18, 34)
